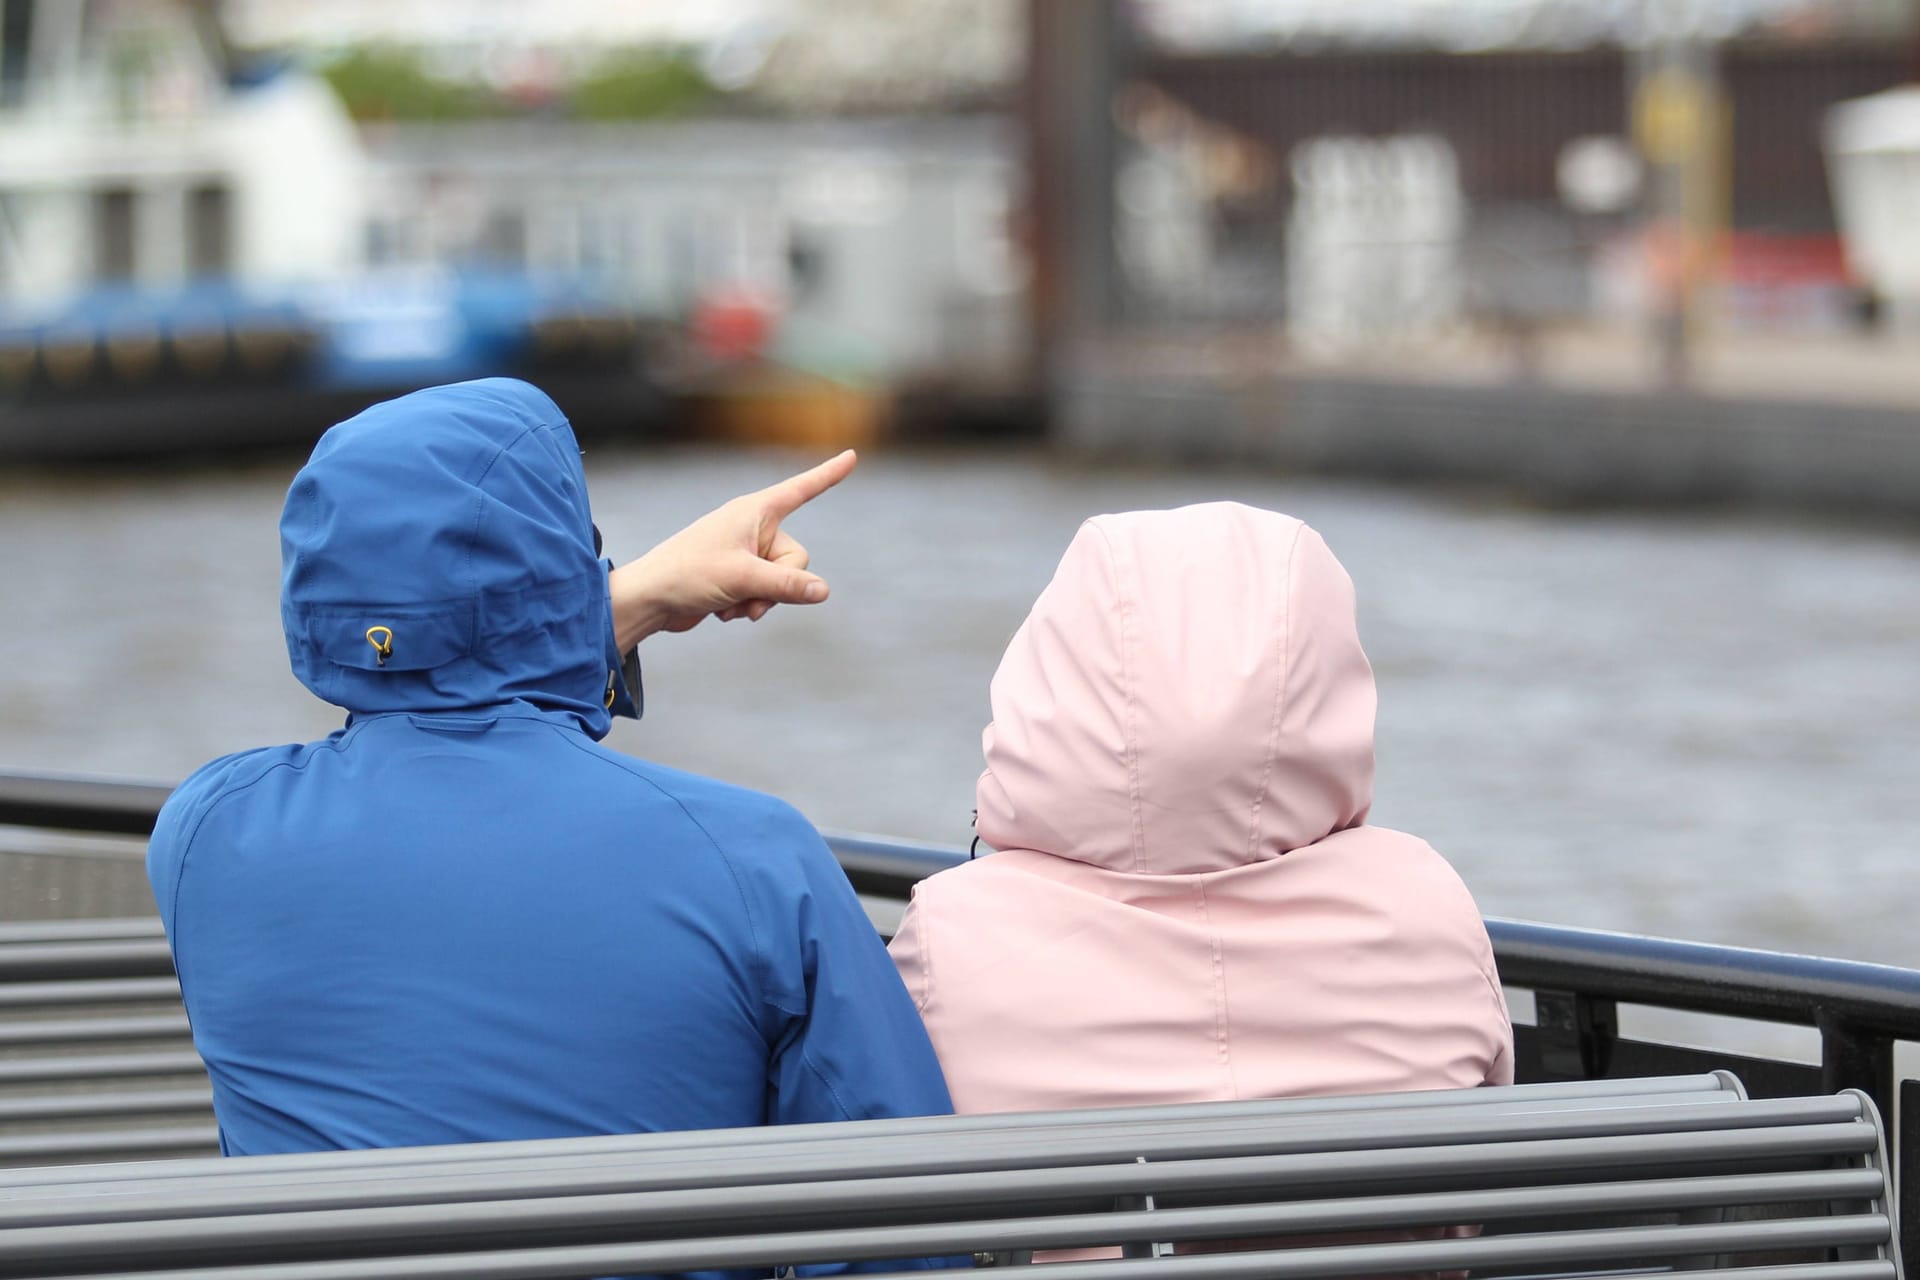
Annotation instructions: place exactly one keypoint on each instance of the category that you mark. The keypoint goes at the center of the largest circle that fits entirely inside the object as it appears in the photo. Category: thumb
(783, 585)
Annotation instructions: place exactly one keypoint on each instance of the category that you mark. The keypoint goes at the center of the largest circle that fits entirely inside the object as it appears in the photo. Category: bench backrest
(1681, 1175)
(96, 1062)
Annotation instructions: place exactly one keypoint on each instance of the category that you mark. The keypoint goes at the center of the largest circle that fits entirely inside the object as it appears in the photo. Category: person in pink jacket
(1186, 902)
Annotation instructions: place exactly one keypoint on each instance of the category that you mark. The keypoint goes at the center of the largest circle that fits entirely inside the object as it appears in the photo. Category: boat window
(503, 239)
(16, 31)
(209, 230)
(113, 233)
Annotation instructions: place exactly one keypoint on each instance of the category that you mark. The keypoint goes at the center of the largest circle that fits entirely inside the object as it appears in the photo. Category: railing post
(1906, 1158)
(1577, 1033)
(1852, 1058)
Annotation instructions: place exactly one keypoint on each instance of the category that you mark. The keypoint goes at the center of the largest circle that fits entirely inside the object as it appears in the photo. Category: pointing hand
(734, 562)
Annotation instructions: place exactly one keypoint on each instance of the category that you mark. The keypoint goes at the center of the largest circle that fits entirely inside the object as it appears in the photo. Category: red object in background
(1760, 258)
(733, 324)
(1788, 282)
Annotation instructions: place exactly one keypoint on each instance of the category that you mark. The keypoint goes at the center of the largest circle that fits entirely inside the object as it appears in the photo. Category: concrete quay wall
(1547, 443)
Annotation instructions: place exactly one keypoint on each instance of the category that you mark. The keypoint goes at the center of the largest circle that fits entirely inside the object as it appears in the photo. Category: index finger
(789, 495)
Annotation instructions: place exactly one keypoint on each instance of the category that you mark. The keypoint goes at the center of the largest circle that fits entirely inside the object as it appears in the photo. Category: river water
(1694, 725)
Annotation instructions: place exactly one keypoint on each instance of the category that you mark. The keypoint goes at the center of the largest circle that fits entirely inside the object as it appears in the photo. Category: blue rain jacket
(460, 918)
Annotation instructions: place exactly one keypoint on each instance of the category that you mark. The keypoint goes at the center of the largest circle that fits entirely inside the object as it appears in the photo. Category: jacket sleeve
(847, 1042)
(625, 698)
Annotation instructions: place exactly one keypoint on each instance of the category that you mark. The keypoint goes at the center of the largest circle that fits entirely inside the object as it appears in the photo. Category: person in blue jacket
(460, 918)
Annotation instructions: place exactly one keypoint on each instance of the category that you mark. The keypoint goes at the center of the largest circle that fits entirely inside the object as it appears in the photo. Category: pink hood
(1187, 903)
(1188, 694)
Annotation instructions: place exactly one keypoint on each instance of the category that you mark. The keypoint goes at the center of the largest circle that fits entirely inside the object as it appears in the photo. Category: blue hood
(450, 528)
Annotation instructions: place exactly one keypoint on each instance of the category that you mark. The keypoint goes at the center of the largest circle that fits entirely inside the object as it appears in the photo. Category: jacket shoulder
(181, 816)
(744, 824)
(1415, 859)
(997, 886)
(1433, 896)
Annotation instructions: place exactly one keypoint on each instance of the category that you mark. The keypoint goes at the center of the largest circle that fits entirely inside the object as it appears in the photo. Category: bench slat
(90, 1106)
(159, 1026)
(796, 1207)
(123, 1143)
(87, 991)
(68, 961)
(1718, 1089)
(1062, 1140)
(1561, 1248)
(1377, 1171)
(26, 932)
(100, 1067)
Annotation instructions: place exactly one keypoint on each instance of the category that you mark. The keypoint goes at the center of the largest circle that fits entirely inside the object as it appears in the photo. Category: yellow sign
(1670, 113)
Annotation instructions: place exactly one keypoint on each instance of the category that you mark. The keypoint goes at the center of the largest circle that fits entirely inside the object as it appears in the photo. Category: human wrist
(638, 608)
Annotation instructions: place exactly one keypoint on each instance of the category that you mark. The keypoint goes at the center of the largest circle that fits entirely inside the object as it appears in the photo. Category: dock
(1825, 425)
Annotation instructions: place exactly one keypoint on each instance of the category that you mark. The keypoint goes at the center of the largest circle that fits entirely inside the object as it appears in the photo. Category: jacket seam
(826, 1082)
(1123, 607)
(1220, 1027)
(925, 1001)
(480, 511)
(1279, 695)
(1498, 995)
(1503, 1050)
(193, 836)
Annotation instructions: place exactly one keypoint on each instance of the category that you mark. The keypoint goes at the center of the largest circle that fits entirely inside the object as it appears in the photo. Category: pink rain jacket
(1187, 903)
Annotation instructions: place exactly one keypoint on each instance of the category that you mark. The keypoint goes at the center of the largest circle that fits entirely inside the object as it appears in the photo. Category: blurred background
(1588, 332)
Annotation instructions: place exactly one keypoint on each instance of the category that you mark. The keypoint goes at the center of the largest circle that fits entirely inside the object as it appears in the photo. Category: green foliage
(383, 82)
(390, 82)
(641, 84)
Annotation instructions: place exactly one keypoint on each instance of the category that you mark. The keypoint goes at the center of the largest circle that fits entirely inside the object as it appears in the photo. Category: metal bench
(1624, 1178)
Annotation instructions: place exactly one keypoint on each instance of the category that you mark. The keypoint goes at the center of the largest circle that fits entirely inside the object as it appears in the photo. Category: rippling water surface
(1702, 726)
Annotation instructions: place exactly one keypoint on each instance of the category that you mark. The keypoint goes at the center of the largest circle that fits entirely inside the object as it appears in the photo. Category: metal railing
(1578, 977)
